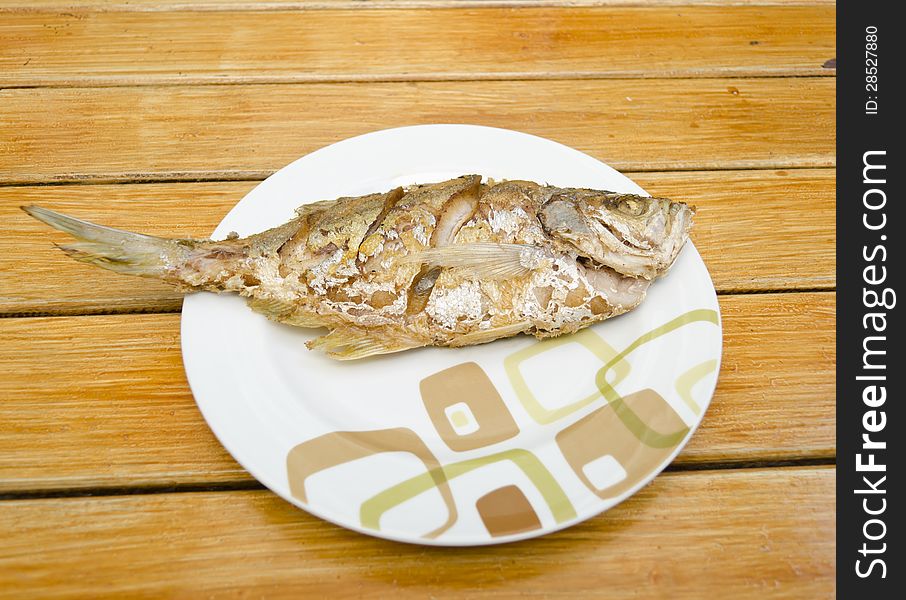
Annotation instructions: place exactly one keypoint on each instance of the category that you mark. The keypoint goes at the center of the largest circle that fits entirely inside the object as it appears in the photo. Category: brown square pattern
(467, 383)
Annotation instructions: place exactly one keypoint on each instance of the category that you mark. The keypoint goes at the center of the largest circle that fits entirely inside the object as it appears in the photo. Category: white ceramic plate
(478, 445)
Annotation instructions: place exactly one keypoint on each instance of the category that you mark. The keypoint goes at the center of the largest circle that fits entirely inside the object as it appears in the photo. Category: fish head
(637, 236)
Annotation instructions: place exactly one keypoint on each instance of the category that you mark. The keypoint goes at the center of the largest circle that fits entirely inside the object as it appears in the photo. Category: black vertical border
(858, 133)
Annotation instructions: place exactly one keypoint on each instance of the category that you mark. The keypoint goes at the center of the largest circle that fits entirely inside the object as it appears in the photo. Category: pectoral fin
(486, 260)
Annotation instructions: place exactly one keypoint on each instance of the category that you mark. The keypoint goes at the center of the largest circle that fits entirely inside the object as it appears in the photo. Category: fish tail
(114, 249)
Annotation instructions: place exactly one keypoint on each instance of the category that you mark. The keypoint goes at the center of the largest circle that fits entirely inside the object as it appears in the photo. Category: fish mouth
(608, 248)
(646, 248)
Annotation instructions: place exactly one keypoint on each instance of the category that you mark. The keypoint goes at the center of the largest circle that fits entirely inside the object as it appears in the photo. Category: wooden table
(158, 115)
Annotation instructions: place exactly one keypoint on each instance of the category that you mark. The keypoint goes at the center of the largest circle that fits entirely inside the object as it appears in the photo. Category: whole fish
(445, 264)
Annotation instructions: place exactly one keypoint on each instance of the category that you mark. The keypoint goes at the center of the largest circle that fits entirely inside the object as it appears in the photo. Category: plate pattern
(628, 436)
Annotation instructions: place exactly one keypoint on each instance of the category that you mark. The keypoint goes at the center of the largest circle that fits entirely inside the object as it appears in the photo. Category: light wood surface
(115, 384)
(736, 231)
(166, 47)
(738, 533)
(158, 115)
(249, 131)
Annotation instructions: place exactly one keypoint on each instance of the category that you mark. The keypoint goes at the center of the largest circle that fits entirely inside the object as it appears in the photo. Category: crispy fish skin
(453, 263)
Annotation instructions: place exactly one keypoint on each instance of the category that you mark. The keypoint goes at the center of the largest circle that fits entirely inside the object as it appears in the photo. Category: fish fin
(306, 320)
(113, 249)
(350, 343)
(272, 308)
(286, 312)
(312, 207)
(489, 335)
(487, 260)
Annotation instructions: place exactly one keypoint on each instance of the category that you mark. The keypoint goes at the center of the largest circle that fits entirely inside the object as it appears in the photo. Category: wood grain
(269, 5)
(732, 534)
(757, 230)
(777, 385)
(205, 132)
(103, 401)
(528, 43)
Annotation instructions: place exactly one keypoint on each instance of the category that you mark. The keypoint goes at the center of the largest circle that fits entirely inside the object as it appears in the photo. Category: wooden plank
(269, 5)
(73, 49)
(102, 401)
(759, 230)
(720, 534)
(205, 132)
(776, 392)
(736, 232)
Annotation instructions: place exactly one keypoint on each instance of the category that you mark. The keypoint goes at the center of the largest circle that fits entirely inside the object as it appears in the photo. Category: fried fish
(454, 263)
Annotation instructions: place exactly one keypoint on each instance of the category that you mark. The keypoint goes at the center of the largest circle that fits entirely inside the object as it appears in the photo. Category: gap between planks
(231, 176)
(253, 484)
(166, 307)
